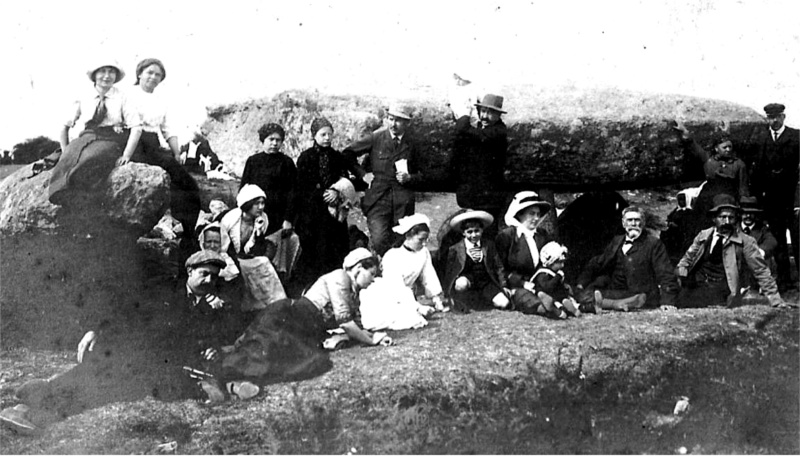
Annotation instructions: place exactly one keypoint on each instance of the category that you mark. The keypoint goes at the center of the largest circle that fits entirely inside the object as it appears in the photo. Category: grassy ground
(488, 382)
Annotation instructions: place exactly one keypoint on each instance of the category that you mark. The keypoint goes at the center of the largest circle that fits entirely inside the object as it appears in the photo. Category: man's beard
(633, 233)
(726, 228)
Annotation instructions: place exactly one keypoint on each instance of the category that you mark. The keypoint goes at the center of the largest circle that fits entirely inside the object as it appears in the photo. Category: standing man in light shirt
(393, 160)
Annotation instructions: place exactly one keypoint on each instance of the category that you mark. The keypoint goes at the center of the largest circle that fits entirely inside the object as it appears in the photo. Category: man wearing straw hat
(393, 162)
(711, 271)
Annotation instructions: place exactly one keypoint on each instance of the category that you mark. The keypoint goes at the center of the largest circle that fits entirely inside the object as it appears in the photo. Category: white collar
(471, 245)
(779, 131)
(397, 137)
(523, 231)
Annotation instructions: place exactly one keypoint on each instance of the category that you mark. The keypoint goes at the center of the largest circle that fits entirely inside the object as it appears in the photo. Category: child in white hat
(556, 296)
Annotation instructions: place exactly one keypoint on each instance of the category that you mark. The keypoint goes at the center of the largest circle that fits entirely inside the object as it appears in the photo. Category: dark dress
(275, 173)
(324, 239)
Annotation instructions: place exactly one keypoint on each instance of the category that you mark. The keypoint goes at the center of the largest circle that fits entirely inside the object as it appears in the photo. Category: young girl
(473, 275)
(548, 280)
(275, 174)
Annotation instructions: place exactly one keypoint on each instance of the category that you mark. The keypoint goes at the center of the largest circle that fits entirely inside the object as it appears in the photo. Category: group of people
(274, 280)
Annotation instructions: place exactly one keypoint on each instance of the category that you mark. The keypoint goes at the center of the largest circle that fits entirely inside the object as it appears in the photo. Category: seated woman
(102, 115)
(184, 192)
(284, 342)
(244, 238)
(519, 245)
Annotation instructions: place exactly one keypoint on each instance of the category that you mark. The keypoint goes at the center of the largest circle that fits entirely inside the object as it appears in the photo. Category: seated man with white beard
(633, 271)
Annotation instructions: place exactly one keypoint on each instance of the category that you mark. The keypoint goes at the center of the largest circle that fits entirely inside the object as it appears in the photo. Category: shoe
(215, 394)
(243, 390)
(14, 419)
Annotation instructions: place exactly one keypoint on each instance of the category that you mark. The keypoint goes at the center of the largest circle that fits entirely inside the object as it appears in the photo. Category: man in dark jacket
(753, 225)
(479, 158)
(394, 164)
(774, 181)
(632, 264)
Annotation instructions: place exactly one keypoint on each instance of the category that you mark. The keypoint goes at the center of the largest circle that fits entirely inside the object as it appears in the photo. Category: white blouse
(152, 111)
(119, 110)
(409, 267)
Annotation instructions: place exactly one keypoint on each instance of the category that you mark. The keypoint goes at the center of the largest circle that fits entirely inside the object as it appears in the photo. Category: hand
(402, 177)
(287, 226)
(87, 343)
(214, 301)
(209, 354)
(679, 126)
(329, 196)
(123, 160)
(528, 286)
(118, 129)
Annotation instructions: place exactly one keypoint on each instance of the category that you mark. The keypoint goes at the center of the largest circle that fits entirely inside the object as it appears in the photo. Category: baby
(549, 283)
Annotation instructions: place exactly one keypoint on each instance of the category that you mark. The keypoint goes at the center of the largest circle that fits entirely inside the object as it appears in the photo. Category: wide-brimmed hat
(493, 102)
(248, 193)
(484, 217)
(724, 201)
(408, 222)
(552, 252)
(749, 204)
(205, 257)
(401, 110)
(521, 201)
(355, 256)
(111, 63)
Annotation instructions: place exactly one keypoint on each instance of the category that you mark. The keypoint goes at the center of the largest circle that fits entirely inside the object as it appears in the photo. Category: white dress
(389, 303)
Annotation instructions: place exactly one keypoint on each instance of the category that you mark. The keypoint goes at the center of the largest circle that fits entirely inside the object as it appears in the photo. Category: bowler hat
(400, 110)
(205, 257)
(484, 217)
(749, 204)
(493, 102)
(724, 201)
(104, 63)
(773, 109)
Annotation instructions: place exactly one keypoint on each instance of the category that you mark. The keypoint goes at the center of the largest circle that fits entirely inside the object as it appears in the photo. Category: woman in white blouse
(154, 125)
(102, 116)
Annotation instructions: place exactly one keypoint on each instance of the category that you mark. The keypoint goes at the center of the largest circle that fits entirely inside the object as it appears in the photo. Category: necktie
(99, 113)
(775, 136)
(475, 253)
(627, 245)
(396, 141)
(747, 230)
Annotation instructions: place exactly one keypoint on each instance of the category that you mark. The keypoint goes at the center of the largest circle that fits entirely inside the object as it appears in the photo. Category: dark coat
(774, 175)
(383, 153)
(276, 174)
(478, 164)
(456, 260)
(764, 238)
(516, 256)
(647, 269)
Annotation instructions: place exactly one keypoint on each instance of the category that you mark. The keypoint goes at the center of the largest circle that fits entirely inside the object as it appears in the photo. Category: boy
(473, 275)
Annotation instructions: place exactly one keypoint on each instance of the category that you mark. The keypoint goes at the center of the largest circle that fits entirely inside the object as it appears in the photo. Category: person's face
(257, 208)
(212, 240)
(749, 218)
(273, 143)
(365, 276)
(151, 77)
(105, 77)
(724, 149)
(725, 220)
(530, 217)
(488, 116)
(633, 223)
(417, 241)
(202, 279)
(776, 122)
(397, 125)
(473, 232)
(324, 136)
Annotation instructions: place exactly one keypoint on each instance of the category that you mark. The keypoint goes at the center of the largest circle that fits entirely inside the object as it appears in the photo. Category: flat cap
(205, 257)
(773, 109)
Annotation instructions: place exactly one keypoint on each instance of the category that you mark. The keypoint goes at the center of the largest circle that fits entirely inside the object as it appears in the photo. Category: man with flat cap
(774, 181)
(393, 160)
(479, 157)
(138, 352)
(713, 268)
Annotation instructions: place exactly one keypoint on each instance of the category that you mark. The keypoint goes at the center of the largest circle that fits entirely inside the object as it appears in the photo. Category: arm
(130, 146)
(503, 242)
(744, 181)
(359, 147)
(356, 333)
(290, 180)
(247, 174)
(174, 147)
(548, 283)
(63, 137)
(768, 243)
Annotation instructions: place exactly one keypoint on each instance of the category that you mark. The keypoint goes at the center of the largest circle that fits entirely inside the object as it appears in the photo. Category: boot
(634, 302)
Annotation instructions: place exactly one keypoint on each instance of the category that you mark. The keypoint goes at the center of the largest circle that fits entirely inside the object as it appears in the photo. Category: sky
(223, 52)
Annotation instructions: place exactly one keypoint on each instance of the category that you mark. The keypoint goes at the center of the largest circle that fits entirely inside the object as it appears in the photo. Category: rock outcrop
(571, 140)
